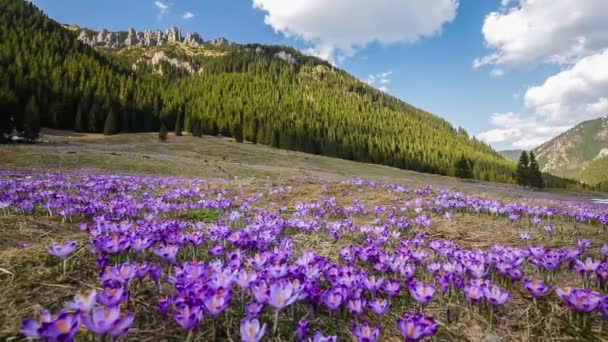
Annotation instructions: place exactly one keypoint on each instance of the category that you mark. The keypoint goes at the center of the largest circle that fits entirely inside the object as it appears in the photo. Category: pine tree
(79, 121)
(162, 132)
(178, 125)
(536, 176)
(523, 167)
(109, 127)
(31, 121)
(464, 168)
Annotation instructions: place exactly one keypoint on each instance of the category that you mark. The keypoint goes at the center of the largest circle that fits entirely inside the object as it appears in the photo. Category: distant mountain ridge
(573, 152)
(512, 155)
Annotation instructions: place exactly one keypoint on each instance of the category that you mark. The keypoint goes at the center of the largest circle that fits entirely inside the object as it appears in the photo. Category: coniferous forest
(49, 79)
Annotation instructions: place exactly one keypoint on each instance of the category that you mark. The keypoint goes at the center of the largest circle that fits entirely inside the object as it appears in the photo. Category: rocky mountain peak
(106, 38)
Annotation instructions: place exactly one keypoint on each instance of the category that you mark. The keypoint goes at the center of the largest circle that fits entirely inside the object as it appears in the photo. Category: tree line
(48, 78)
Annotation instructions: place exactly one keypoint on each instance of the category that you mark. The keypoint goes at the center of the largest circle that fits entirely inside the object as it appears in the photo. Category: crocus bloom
(580, 300)
(473, 293)
(63, 328)
(102, 320)
(379, 306)
(217, 302)
(302, 329)
(167, 253)
(319, 337)
(83, 302)
(62, 249)
(525, 236)
(332, 299)
(356, 306)
(415, 327)
(587, 267)
(251, 330)
(495, 295)
(31, 328)
(188, 317)
(253, 309)
(365, 333)
(282, 295)
(122, 325)
(112, 296)
(536, 288)
(421, 293)
(392, 287)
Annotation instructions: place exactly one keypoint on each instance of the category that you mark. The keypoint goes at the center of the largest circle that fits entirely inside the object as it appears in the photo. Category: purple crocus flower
(83, 302)
(217, 302)
(392, 287)
(356, 306)
(63, 328)
(473, 293)
(580, 300)
(587, 267)
(62, 249)
(536, 288)
(332, 299)
(415, 327)
(188, 317)
(282, 294)
(102, 320)
(495, 295)
(112, 296)
(548, 229)
(302, 330)
(167, 252)
(251, 330)
(379, 306)
(319, 337)
(372, 283)
(31, 327)
(365, 333)
(421, 293)
(525, 236)
(253, 309)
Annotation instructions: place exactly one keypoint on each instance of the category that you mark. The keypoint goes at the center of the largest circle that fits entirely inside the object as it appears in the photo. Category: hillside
(512, 155)
(270, 95)
(578, 153)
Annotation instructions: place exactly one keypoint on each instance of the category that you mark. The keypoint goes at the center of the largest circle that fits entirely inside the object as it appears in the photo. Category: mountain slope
(271, 95)
(571, 153)
(512, 155)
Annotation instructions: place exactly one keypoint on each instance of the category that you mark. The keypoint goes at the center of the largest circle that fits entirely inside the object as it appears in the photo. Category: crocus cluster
(250, 260)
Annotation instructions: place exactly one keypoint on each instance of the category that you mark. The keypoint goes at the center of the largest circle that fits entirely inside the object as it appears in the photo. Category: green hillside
(244, 92)
(578, 152)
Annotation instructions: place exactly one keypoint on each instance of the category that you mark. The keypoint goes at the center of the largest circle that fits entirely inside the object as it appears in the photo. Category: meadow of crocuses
(307, 260)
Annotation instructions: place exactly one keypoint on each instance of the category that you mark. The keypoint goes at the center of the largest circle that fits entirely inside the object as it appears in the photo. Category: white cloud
(514, 131)
(380, 81)
(544, 31)
(188, 15)
(337, 29)
(573, 95)
(497, 72)
(162, 9)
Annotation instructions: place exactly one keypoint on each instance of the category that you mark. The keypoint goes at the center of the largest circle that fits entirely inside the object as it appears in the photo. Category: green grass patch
(200, 215)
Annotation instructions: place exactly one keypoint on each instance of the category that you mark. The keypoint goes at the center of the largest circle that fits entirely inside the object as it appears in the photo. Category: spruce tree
(79, 120)
(464, 168)
(178, 125)
(162, 132)
(109, 127)
(31, 121)
(523, 167)
(535, 176)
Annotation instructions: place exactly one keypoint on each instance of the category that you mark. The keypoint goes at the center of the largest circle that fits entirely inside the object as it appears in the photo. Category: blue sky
(468, 61)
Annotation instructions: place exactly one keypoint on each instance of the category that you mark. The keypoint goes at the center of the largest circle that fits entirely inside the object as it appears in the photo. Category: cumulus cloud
(575, 94)
(514, 131)
(188, 15)
(337, 29)
(162, 9)
(544, 31)
(380, 81)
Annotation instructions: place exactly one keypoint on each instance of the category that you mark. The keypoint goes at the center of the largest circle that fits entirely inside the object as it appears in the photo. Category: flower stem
(276, 322)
